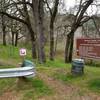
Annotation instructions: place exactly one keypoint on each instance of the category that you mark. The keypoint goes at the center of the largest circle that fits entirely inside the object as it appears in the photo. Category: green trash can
(77, 67)
(27, 63)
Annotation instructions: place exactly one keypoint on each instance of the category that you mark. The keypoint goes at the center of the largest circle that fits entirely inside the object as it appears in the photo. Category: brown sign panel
(88, 48)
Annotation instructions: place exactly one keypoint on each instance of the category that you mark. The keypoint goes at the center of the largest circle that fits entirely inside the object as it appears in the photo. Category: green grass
(38, 89)
(29, 95)
(9, 54)
(56, 63)
(89, 81)
(62, 72)
(94, 85)
(31, 89)
(63, 77)
(6, 84)
(34, 88)
(58, 70)
(86, 82)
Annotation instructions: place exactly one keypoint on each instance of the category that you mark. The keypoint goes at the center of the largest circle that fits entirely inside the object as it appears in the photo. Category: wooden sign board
(88, 48)
(22, 52)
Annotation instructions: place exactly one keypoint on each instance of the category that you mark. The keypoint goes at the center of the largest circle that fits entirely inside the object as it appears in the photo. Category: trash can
(77, 67)
(27, 63)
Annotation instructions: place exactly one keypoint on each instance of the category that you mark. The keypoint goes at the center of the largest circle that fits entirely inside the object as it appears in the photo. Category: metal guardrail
(27, 71)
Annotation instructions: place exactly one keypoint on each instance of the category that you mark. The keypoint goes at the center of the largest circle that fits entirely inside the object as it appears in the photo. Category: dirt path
(65, 92)
(8, 95)
(61, 91)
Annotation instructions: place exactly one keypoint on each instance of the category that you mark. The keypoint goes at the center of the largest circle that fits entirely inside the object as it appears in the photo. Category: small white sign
(22, 52)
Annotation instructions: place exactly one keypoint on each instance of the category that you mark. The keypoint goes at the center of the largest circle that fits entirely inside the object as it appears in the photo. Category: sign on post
(22, 52)
(88, 48)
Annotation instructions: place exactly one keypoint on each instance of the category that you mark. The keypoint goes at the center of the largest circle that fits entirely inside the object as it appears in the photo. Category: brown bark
(53, 16)
(38, 14)
(31, 32)
(69, 44)
(3, 30)
(51, 42)
(67, 49)
(71, 48)
(16, 39)
(56, 42)
(33, 41)
(12, 38)
(4, 36)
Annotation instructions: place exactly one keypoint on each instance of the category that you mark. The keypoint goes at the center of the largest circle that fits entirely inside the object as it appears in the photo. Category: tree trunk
(31, 32)
(77, 22)
(4, 36)
(53, 16)
(39, 28)
(3, 30)
(71, 48)
(12, 39)
(34, 53)
(16, 39)
(33, 41)
(51, 42)
(69, 44)
(41, 41)
(67, 49)
(41, 53)
(56, 42)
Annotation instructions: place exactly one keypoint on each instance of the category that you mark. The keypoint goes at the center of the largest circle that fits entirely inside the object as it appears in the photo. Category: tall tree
(31, 32)
(37, 8)
(3, 29)
(53, 12)
(3, 20)
(38, 13)
(79, 20)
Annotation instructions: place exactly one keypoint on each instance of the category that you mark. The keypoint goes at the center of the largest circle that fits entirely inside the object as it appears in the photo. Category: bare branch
(79, 8)
(19, 3)
(22, 37)
(20, 11)
(55, 9)
(13, 17)
(97, 28)
(86, 19)
(83, 10)
(45, 1)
